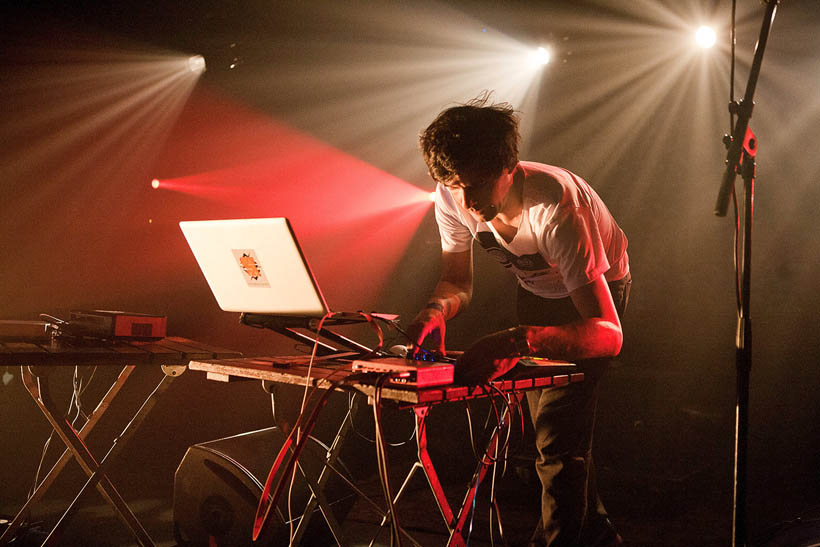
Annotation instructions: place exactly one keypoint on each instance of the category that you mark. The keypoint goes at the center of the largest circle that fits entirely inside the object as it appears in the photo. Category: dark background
(317, 120)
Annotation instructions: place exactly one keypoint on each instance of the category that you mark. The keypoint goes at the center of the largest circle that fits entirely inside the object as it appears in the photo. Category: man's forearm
(452, 299)
(584, 339)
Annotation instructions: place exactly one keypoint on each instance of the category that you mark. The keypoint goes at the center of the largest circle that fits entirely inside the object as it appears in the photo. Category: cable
(508, 411)
(35, 484)
(361, 435)
(273, 488)
(517, 449)
(305, 397)
(310, 364)
(494, 505)
(428, 355)
(299, 441)
(319, 327)
(472, 516)
(74, 402)
(381, 456)
(499, 423)
(77, 383)
(500, 456)
(470, 429)
(493, 501)
(294, 444)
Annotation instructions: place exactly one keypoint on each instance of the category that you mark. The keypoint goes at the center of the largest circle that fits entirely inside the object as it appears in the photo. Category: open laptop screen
(255, 266)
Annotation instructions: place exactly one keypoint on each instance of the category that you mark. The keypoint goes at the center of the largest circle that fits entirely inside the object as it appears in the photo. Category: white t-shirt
(566, 239)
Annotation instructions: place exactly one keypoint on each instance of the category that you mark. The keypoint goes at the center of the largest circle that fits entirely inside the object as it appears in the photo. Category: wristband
(435, 306)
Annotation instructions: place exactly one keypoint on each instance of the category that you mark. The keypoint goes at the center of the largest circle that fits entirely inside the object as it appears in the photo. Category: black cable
(472, 516)
(470, 429)
(502, 442)
(429, 355)
(77, 391)
(381, 455)
(499, 419)
(77, 383)
(294, 444)
(365, 437)
(517, 449)
(490, 459)
(297, 439)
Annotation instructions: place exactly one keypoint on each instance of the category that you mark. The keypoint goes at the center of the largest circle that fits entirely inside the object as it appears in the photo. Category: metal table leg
(317, 488)
(170, 372)
(38, 388)
(424, 463)
(25, 512)
(457, 534)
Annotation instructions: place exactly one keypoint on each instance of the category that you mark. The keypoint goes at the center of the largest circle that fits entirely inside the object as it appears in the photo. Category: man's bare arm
(455, 287)
(597, 334)
(451, 296)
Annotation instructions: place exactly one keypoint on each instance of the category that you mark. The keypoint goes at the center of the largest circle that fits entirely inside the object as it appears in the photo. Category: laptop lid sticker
(250, 267)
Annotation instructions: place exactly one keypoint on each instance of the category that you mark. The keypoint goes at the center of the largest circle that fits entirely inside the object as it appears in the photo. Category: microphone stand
(742, 148)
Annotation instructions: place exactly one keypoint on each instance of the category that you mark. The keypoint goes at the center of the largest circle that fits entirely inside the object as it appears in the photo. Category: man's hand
(491, 356)
(428, 322)
(450, 297)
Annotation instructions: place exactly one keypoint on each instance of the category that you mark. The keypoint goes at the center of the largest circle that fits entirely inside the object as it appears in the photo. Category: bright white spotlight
(196, 64)
(705, 37)
(155, 184)
(539, 57)
(431, 196)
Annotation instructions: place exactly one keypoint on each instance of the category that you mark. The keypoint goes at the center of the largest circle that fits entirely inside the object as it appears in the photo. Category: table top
(327, 370)
(172, 350)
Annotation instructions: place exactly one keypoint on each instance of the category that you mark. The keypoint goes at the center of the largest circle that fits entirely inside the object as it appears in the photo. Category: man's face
(482, 199)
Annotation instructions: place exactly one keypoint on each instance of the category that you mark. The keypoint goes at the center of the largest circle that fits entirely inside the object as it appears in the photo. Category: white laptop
(255, 266)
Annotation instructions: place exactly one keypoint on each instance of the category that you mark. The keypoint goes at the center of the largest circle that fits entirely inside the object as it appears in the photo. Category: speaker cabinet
(800, 532)
(218, 483)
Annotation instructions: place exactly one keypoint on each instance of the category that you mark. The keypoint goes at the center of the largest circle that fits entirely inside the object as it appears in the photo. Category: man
(553, 231)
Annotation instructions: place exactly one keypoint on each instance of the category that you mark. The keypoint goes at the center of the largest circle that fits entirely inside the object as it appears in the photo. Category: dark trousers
(571, 511)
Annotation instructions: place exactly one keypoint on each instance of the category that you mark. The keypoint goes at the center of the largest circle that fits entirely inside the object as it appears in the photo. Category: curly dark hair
(476, 140)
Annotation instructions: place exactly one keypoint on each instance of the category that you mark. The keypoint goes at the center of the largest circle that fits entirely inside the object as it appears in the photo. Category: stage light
(432, 196)
(705, 37)
(539, 57)
(196, 64)
(155, 183)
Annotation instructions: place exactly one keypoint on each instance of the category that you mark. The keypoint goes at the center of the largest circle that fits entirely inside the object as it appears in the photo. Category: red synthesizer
(408, 371)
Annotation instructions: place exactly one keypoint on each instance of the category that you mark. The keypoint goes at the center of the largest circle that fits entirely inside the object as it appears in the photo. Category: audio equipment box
(28, 331)
(408, 372)
(116, 324)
